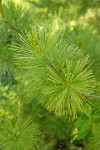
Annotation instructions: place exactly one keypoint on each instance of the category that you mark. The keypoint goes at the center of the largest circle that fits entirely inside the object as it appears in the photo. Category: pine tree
(49, 71)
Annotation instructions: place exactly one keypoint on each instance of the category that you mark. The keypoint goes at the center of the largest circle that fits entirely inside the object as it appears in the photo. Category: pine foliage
(10, 25)
(19, 136)
(94, 142)
(49, 70)
(56, 71)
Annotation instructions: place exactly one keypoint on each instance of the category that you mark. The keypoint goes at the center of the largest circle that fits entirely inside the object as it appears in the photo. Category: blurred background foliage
(81, 20)
(71, 11)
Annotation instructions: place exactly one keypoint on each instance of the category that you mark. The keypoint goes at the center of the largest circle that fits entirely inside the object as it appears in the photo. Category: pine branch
(6, 22)
(55, 69)
(64, 77)
(92, 96)
(46, 60)
(11, 26)
(89, 95)
(21, 135)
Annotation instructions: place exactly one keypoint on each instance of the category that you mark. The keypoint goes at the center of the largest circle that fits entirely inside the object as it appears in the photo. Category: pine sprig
(57, 72)
(20, 136)
(14, 19)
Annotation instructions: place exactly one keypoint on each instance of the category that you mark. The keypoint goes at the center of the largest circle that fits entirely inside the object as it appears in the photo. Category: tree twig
(11, 26)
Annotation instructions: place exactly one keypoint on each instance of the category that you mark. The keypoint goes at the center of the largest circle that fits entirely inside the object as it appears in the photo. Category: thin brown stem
(11, 26)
